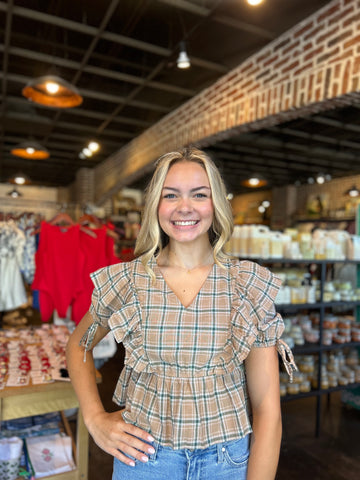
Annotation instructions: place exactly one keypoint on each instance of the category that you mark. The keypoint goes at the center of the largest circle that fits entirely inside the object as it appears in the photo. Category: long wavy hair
(152, 239)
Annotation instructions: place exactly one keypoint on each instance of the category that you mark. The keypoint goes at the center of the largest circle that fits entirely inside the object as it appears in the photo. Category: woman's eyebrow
(192, 190)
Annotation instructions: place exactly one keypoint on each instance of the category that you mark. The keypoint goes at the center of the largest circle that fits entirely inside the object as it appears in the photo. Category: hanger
(62, 218)
(90, 219)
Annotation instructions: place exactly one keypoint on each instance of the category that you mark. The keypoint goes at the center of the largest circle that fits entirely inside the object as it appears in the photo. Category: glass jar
(355, 334)
(306, 364)
(327, 337)
(305, 323)
(357, 373)
(343, 380)
(345, 332)
(312, 335)
(352, 358)
(330, 321)
(348, 373)
(305, 386)
(293, 388)
(324, 382)
(333, 379)
(339, 339)
(333, 364)
(344, 323)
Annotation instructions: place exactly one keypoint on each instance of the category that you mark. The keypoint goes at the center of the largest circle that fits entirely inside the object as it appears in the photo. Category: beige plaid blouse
(184, 379)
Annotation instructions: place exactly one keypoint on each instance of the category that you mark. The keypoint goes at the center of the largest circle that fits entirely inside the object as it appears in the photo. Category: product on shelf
(337, 370)
(258, 241)
(337, 329)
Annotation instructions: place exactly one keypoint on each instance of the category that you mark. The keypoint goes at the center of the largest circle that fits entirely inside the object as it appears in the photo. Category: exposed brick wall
(84, 186)
(312, 67)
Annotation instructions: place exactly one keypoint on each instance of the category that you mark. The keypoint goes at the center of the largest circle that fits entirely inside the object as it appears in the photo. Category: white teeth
(186, 223)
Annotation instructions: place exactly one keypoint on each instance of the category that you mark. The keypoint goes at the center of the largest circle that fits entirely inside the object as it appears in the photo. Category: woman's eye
(200, 195)
(169, 195)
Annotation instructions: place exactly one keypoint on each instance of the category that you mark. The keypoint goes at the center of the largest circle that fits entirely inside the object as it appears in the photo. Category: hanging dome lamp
(30, 150)
(52, 91)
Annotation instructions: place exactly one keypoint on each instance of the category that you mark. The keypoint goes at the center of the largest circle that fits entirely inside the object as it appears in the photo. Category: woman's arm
(109, 430)
(262, 373)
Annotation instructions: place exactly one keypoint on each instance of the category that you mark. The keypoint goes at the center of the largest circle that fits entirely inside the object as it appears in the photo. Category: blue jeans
(223, 461)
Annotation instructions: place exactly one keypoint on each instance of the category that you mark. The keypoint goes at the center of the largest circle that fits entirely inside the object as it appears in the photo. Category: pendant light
(183, 60)
(14, 193)
(20, 179)
(352, 192)
(254, 181)
(52, 91)
(30, 150)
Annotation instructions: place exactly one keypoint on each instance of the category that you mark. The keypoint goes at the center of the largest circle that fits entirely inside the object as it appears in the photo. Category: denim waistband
(218, 448)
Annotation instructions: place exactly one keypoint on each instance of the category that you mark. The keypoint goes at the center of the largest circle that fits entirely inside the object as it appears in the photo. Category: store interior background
(272, 90)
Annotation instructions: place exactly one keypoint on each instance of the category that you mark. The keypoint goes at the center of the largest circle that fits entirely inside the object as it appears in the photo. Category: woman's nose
(184, 204)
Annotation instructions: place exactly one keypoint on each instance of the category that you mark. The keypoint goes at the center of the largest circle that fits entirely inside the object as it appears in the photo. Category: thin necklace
(209, 261)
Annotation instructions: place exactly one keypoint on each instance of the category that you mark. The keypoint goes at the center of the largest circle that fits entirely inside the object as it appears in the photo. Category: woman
(193, 322)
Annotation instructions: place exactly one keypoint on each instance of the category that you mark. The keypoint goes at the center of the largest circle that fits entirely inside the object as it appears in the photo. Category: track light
(183, 60)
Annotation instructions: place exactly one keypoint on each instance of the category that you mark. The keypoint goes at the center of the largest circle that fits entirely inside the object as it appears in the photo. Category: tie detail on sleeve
(88, 338)
(287, 357)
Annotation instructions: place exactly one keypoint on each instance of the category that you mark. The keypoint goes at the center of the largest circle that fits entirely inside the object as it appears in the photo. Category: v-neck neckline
(159, 274)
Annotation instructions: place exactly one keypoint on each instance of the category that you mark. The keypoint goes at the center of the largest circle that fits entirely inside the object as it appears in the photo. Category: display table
(17, 402)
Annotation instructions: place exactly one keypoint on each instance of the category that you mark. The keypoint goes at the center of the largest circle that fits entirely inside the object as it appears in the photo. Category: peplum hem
(186, 412)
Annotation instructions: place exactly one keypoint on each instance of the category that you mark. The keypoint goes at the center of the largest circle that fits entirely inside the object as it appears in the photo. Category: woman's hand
(120, 439)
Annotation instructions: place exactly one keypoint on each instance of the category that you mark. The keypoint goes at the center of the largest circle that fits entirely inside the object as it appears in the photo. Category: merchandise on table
(32, 355)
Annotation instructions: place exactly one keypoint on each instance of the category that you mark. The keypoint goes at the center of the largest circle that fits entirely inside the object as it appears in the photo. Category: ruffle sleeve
(257, 289)
(112, 292)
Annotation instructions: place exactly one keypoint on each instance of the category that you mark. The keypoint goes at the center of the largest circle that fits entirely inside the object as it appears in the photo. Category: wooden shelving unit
(316, 348)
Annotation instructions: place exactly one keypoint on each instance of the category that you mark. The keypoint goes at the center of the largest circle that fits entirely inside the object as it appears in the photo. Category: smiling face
(186, 209)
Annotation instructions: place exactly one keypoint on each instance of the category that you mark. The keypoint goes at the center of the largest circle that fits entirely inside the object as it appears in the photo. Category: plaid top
(184, 379)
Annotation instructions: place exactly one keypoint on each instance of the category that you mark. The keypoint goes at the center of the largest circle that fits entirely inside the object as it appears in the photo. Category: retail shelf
(316, 306)
(324, 219)
(297, 261)
(318, 392)
(315, 347)
(322, 307)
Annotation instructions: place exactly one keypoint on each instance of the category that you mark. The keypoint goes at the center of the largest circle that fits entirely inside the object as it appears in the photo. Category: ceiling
(121, 55)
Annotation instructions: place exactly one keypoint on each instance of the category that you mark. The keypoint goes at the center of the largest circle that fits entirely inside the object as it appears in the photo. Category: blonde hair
(151, 239)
